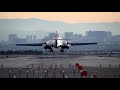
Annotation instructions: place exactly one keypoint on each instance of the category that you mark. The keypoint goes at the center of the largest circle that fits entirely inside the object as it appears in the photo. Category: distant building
(51, 35)
(114, 39)
(12, 38)
(77, 36)
(34, 37)
(68, 35)
(114, 42)
(20, 40)
(27, 37)
(98, 35)
(45, 39)
(30, 38)
(109, 34)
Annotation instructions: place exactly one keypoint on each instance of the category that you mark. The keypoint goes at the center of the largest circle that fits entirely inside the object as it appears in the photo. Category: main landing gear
(48, 48)
(61, 50)
(51, 50)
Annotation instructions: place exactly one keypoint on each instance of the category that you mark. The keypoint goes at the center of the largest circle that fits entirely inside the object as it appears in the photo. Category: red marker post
(80, 68)
(84, 73)
(76, 65)
(94, 75)
(81, 74)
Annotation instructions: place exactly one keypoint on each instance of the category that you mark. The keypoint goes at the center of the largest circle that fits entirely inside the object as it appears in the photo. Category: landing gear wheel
(51, 50)
(45, 50)
(61, 50)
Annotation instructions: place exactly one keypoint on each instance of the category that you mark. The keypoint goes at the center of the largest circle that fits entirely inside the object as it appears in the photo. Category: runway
(86, 61)
(110, 66)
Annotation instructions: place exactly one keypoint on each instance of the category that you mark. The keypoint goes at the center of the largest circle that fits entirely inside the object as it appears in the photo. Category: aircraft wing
(74, 44)
(32, 44)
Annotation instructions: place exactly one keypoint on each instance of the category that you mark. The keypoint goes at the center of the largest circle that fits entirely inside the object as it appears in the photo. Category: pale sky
(69, 17)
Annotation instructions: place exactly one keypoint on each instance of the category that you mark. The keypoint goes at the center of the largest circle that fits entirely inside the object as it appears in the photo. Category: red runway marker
(80, 67)
(84, 73)
(94, 76)
(77, 64)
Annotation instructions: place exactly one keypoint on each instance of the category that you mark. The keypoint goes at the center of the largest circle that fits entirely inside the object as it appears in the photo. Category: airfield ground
(35, 66)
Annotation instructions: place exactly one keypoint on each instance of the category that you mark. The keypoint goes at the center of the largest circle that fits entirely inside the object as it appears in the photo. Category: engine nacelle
(67, 47)
(47, 47)
(63, 47)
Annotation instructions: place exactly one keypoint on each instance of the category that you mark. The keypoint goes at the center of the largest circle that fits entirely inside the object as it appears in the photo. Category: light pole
(33, 72)
(45, 73)
(27, 73)
(19, 71)
(74, 71)
(63, 72)
(9, 73)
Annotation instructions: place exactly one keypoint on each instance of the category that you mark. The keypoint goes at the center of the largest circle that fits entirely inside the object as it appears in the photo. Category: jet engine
(47, 47)
(65, 47)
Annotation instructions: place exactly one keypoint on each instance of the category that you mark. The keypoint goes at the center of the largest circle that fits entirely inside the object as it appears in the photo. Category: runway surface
(110, 66)
(65, 60)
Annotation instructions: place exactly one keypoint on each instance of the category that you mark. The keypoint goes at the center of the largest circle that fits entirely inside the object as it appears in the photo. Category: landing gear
(45, 50)
(48, 48)
(61, 50)
(51, 50)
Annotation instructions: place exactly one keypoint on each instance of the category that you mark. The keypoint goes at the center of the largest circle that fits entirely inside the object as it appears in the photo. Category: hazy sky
(69, 17)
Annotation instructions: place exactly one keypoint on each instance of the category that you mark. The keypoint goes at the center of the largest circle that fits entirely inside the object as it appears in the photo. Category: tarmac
(58, 66)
